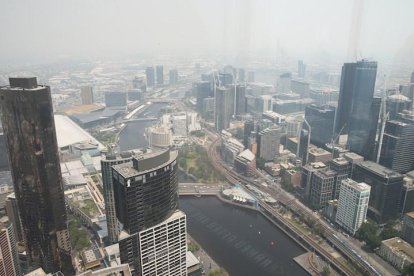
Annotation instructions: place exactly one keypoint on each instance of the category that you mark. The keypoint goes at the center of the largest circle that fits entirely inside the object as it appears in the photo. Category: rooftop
(410, 214)
(359, 186)
(400, 247)
(69, 133)
(247, 154)
(379, 170)
(191, 260)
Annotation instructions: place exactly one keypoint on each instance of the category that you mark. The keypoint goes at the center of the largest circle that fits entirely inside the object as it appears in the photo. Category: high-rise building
(284, 82)
(9, 262)
(112, 157)
(412, 77)
(322, 187)
(224, 107)
(146, 200)
(116, 99)
(12, 211)
(173, 74)
(248, 129)
(203, 90)
(87, 95)
(386, 186)
(321, 119)
(264, 103)
(240, 104)
(241, 75)
(396, 104)
(160, 74)
(28, 123)
(300, 87)
(268, 142)
(397, 151)
(250, 76)
(226, 78)
(150, 74)
(301, 69)
(358, 109)
(352, 205)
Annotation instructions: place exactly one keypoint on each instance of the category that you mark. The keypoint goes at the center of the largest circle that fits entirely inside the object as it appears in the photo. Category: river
(242, 241)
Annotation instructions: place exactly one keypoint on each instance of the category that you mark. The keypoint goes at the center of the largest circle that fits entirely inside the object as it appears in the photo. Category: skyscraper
(154, 232)
(203, 90)
(412, 77)
(240, 104)
(173, 74)
(12, 210)
(386, 186)
(28, 123)
(397, 151)
(352, 205)
(301, 69)
(321, 119)
(87, 95)
(160, 74)
(224, 107)
(357, 112)
(268, 142)
(9, 262)
(150, 74)
(112, 157)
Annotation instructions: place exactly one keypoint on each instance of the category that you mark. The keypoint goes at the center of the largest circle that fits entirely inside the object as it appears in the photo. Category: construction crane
(384, 118)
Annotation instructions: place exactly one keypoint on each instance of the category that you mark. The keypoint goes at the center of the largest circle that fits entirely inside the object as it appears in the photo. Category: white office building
(352, 205)
(164, 247)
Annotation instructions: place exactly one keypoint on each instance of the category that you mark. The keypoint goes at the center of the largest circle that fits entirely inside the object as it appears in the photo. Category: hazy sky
(49, 29)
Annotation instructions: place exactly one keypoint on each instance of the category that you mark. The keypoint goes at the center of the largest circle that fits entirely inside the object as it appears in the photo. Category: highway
(298, 208)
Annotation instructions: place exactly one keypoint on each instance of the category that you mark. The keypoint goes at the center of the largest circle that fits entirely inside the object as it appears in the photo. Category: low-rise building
(397, 252)
(245, 163)
(408, 227)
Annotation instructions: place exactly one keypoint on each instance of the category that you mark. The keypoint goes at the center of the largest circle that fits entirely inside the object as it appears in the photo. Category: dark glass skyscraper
(357, 112)
(160, 74)
(321, 119)
(28, 123)
(145, 195)
(224, 107)
(240, 104)
(203, 90)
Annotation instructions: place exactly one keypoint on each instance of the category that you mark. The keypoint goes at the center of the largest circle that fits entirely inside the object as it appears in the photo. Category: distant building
(321, 119)
(396, 104)
(300, 87)
(301, 69)
(284, 82)
(173, 74)
(224, 107)
(159, 136)
(264, 103)
(397, 252)
(358, 111)
(160, 74)
(150, 74)
(386, 186)
(245, 163)
(139, 83)
(352, 205)
(226, 78)
(249, 127)
(318, 155)
(240, 103)
(408, 228)
(203, 90)
(397, 152)
(241, 75)
(293, 125)
(87, 95)
(208, 107)
(268, 142)
(324, 96)
(250, 76)
(4, 160)
(115, 99)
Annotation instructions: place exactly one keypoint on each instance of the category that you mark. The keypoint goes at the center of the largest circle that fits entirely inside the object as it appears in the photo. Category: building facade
(321, 119)
(173, 74)
(386, 186)
(203, 90)
(9, 262)
(160, 74)
(352, 205)
(28, 123)
(112, 157)
(224, 107)
(397, 151)
(150, 75)
(268, 142)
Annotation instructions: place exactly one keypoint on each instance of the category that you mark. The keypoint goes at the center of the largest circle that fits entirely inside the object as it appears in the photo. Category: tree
(389, 233)
(326, 271)
(368, 232)
(218, 272)
(409, 270)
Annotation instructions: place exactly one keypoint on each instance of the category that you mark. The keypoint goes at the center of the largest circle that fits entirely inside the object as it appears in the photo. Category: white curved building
(159, 136)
